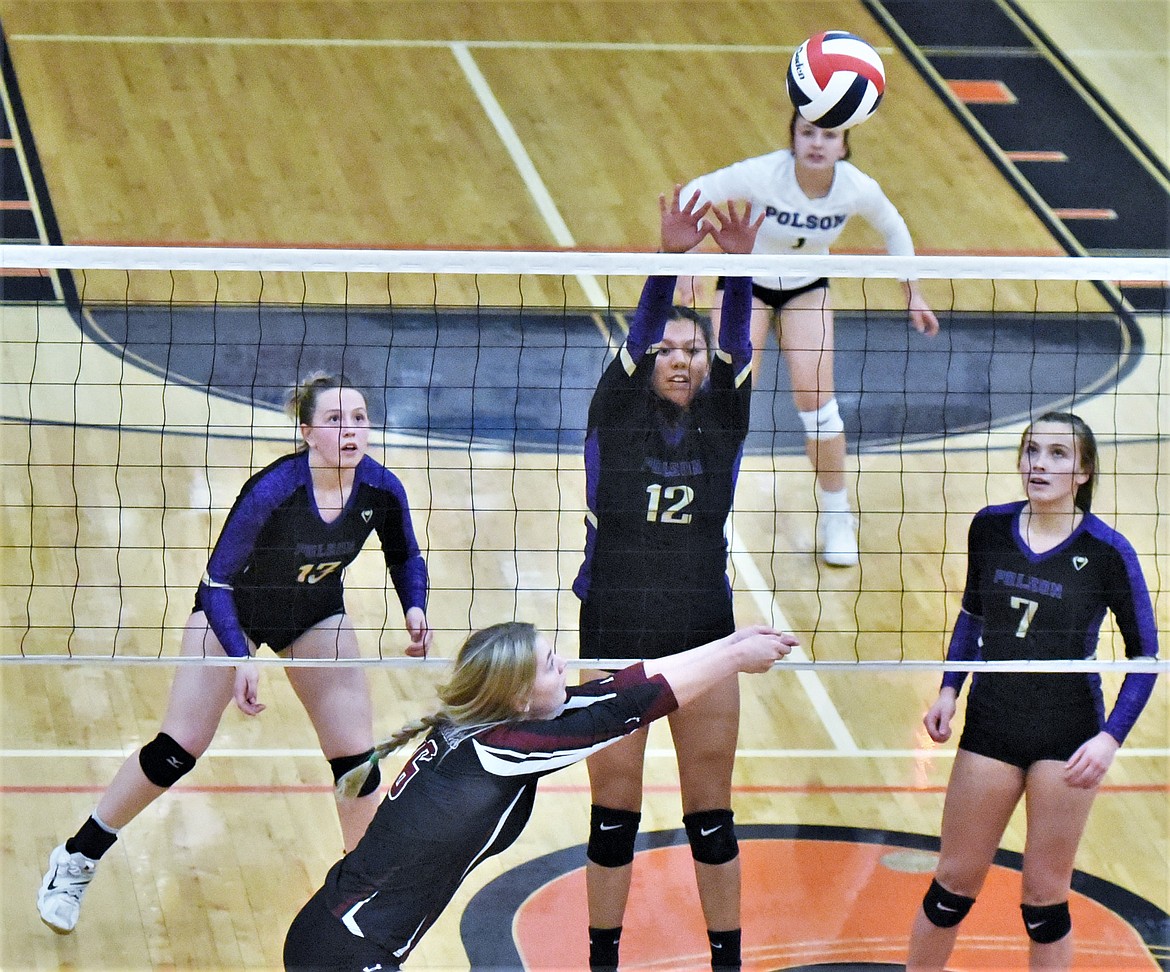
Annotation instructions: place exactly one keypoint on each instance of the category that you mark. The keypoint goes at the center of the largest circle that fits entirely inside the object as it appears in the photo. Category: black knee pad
(1046, 923)
(944, 908)
(343, 764)
(611, 836)
(712, 836)
(164, 761)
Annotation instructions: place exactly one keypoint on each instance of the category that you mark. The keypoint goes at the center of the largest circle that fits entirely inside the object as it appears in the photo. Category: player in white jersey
(807, 194)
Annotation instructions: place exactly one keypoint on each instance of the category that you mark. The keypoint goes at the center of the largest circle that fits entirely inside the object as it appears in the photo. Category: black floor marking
(524, 381)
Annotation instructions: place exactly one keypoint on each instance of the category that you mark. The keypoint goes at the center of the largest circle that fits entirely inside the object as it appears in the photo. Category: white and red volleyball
(836, 80)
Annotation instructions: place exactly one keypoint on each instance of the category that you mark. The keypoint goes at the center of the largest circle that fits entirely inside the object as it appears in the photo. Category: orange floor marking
(1085, 213)
(982, 92)
(805, 902)
(1024, 156)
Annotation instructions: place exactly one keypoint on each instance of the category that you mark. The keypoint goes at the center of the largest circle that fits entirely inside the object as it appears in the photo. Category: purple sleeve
(404, 560)
(236, 543)
(1134, 611)
(1134, 694)
(964, 647)
(650, 318)
(220, 607)
(735, 332)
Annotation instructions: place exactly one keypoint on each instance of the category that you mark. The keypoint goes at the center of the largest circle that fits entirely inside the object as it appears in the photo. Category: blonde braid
(350, 784)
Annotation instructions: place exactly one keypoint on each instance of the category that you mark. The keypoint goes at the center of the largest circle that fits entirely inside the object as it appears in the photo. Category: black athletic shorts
(279, 628)
(608, 635)
(1054, 734)
(318, 942)
(776, 299)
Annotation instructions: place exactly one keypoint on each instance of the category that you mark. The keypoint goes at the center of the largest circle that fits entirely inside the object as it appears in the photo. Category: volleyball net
(143, 386)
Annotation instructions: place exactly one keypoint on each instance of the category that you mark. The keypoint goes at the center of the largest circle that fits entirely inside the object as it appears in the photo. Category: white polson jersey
(795, 224)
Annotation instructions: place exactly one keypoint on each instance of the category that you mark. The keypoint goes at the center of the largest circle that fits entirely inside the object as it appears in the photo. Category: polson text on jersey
(1025, 582)
(336, 548)
(674, 469)
(805, 220)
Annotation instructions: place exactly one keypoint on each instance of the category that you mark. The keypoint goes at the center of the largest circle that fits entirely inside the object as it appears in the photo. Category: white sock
(101, 823)
(833, 502)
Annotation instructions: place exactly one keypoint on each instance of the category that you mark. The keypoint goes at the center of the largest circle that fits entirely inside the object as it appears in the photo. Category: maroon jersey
(465, 794)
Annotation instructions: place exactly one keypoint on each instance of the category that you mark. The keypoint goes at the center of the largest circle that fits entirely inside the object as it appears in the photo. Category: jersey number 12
(679, 498)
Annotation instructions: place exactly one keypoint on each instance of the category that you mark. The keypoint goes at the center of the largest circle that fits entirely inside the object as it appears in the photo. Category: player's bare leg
(981, 796)
(337, 701)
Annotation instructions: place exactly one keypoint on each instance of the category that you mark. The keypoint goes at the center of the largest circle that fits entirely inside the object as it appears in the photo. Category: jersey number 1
(679, 497)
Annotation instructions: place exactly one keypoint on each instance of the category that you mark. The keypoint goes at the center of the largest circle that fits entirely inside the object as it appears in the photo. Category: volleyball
(836, 80)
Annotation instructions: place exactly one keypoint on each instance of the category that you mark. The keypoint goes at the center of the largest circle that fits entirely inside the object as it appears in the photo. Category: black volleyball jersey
(277, 559)
(1049, 606)
(660, 480)
(466, 794)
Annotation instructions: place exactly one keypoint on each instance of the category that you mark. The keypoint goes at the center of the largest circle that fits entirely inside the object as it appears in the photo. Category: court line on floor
(563, 789)
(413, 43)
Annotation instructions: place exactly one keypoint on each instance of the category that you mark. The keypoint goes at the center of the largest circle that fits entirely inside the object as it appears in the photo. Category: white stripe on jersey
(501, 761)
(214, 583)
(348, 918)
(508, 762)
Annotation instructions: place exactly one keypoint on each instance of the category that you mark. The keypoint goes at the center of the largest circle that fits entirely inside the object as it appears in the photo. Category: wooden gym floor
(340, 123)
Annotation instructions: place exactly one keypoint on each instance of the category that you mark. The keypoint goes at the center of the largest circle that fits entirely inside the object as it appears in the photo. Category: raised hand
(736, 233)
(683, 226)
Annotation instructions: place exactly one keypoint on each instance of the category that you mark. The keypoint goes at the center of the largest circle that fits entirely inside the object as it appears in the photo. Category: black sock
(603, 947)
(725, 948)
(92, 840)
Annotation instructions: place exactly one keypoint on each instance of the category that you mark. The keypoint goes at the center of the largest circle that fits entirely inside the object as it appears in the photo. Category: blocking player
(665, 437)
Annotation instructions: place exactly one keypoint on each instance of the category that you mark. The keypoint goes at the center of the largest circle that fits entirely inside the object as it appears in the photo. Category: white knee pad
(824, 423)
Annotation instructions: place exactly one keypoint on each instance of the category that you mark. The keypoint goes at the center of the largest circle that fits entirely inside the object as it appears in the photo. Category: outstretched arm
(691, 673)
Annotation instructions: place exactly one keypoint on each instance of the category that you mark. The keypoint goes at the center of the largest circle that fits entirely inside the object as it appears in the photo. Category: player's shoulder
(377, 476)
(278, 479)
(778, 162)
(999, 511)
(993, 525)
(1093, 527)
(770, 163)
(847, 175)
